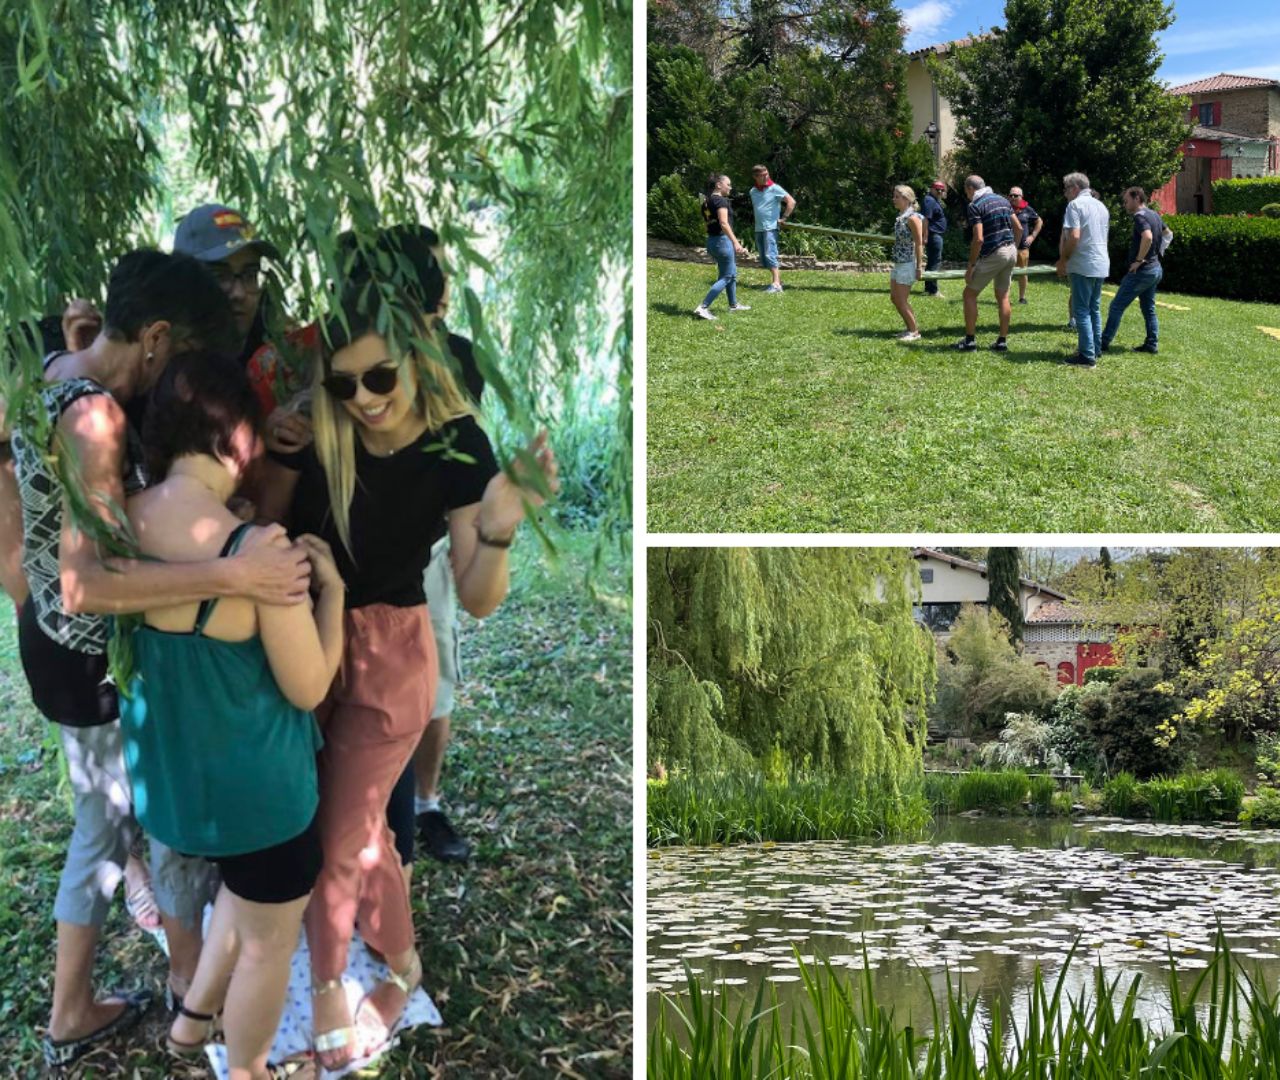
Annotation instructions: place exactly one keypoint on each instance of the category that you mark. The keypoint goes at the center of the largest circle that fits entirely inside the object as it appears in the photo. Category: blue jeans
(1086, 309)
(932, 259)
(720, 248)
(1141, 285)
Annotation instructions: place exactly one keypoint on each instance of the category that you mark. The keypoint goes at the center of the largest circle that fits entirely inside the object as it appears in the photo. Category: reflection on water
(982, 899)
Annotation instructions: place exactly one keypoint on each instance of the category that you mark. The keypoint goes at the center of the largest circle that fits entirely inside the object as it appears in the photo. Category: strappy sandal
(287, 1069)
(406, 982)
(326, 1042)
(140, 903)
(191, 1050)
(59, 1053)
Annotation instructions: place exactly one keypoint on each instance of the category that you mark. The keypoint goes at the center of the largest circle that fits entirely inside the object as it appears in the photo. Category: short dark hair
(1136, 193)
(148, 286)
(400, 255)
(759, 168)
(199, 401)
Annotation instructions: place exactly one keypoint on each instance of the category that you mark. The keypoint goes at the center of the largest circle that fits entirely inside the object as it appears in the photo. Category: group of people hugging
(252, 559)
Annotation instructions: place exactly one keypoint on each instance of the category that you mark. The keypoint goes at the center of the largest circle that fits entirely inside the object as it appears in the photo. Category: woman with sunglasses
(397, 451)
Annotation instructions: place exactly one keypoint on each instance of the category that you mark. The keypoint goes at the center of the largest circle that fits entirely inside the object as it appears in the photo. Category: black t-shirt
(398, 509)
(1144, 219)
(710, 214)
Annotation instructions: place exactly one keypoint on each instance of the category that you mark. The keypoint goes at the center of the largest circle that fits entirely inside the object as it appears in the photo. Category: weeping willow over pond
(778, 660)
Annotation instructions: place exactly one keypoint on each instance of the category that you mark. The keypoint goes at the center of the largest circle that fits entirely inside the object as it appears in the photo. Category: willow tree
(814, 651)
(505, 127)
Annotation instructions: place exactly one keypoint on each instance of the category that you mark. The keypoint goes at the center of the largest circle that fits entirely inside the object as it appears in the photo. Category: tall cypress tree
(1004, 578)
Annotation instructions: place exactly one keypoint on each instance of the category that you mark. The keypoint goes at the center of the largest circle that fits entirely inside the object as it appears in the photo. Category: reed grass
(1224, 1027)
(746, 809)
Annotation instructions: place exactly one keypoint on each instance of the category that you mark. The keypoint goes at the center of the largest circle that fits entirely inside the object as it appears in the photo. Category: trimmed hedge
(1245, 196)
(1231, 258)
(674, 213)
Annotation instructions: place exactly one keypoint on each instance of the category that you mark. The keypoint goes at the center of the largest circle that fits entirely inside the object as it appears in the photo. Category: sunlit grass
(805, 415)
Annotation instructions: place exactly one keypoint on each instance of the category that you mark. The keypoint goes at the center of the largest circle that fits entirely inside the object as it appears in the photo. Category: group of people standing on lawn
(282, 666)
(1001, 229)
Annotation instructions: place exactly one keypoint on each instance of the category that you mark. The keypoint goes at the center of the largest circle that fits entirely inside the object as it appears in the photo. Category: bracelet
(493, 542)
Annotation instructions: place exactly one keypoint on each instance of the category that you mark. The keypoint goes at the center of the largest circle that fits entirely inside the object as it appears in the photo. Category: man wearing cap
(936, 217)
(770, 206)
(221, 237)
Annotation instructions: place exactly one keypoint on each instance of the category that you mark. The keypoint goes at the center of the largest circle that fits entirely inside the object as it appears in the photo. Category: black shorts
(275, 875)
(68, 687)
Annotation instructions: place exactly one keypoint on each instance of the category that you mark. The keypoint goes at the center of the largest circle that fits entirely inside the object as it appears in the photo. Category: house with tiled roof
(1235, 133)
(931, 116)
(1058, 634)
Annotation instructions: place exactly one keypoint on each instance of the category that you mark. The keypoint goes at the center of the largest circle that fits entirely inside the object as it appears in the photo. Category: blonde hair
(438, 400)
(907, 193)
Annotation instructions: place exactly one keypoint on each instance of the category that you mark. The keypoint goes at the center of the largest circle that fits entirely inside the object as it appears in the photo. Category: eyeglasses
(250, 277)
(377, 380)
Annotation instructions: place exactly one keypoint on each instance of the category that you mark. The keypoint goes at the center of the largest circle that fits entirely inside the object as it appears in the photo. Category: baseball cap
(938, 185)
(213, 232)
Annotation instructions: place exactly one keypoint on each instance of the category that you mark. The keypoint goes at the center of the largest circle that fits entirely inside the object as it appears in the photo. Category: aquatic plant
(1225, 1027)
(741, 808)
(1120, 795)
(978, 789)
(1043, 789)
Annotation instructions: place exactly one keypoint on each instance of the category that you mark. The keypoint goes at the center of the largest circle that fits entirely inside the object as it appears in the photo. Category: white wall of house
(928, 105)
(959, 585)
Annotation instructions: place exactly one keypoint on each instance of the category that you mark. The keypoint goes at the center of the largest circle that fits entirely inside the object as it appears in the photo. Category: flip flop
(59, 1053)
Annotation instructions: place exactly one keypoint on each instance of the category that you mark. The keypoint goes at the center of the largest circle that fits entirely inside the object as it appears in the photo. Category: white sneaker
(773, 288)
(740, 307)
(910, 335)
(703, 313)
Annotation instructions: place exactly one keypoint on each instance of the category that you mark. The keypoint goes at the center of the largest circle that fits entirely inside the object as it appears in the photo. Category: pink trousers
(372, 720)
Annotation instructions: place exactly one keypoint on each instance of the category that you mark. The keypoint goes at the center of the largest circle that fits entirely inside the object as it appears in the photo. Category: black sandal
(191, 1050)
(59, 1053)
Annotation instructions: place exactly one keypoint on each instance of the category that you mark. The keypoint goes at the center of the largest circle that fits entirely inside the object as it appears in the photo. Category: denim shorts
(903, 273)
(767, 246)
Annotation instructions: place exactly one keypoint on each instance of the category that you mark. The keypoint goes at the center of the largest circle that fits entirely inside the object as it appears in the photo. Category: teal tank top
(220, 762)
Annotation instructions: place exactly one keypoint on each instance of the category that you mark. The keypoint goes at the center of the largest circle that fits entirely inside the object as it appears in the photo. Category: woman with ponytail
(908, 257)
(722, 245)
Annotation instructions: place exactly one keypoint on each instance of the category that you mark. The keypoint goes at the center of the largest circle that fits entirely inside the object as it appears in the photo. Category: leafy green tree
(983, 678)
(1004, 582)
(812, 651)
(1129, 723)
(1066, 85)
(507, 128)
(815, 89)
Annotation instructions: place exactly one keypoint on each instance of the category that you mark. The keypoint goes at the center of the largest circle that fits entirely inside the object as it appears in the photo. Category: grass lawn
(527, 949)
(804, 414)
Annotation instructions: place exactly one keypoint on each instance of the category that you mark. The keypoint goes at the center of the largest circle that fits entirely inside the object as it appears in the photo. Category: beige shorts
(996, 267)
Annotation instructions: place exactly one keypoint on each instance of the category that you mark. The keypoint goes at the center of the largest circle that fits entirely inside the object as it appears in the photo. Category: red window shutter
(1217, 114)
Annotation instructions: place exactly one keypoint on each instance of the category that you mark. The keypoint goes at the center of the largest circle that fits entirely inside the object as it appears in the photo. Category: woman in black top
(397, 456)
(722, 245)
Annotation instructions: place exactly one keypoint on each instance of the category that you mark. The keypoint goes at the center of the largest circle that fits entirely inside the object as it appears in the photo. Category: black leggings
(400, 814)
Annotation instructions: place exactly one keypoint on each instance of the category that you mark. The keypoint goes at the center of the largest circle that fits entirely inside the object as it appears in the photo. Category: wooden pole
(1021, 271)
(879, 238)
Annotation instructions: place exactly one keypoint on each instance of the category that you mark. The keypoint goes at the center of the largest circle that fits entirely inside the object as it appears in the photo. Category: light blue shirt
(1090, 258)
(766, 205)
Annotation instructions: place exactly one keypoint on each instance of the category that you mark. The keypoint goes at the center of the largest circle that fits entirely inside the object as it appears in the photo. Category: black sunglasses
(377, 380)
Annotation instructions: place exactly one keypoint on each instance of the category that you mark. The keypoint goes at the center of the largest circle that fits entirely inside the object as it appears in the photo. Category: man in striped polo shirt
(993, 252)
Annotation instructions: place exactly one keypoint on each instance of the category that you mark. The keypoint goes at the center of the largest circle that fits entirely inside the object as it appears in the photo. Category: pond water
(982, 900)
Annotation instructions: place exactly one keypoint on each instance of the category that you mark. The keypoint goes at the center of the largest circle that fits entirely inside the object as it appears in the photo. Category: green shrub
(1104, 675)
(1245, 196)
(1266, 755)
(1271, 210)
(1229, 257)
(1264, 810)
(1127, 721)
(1195, 796)
(673, 213)
(1069, 736)
(1063, 803)
(828, 248)
(1042, 789)
(1120, 795)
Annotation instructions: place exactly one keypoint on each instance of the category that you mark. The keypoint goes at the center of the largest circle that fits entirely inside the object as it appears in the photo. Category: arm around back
(303, 647)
